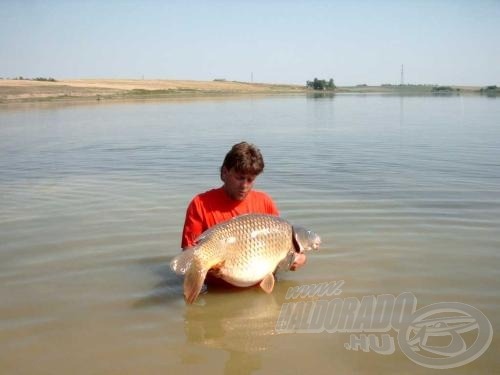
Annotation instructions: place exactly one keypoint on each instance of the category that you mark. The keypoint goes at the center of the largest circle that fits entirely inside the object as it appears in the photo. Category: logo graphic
(444, 323)
(440, 336)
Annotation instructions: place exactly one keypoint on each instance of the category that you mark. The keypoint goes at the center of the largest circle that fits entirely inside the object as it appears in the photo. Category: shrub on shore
(321, 84)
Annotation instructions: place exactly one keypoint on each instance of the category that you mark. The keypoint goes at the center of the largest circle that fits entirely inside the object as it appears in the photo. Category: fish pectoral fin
(267, 284)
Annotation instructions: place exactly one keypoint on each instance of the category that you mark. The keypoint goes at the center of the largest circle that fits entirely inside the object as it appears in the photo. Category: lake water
(405, 192)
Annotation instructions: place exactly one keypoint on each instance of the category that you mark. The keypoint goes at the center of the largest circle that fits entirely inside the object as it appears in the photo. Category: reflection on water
(321, 95)
(240, 326)
(403, 191)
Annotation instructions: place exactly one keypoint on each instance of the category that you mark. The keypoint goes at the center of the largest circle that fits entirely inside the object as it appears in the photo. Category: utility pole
(402, 75)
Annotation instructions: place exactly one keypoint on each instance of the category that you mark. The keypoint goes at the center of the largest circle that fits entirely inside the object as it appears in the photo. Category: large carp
(242, 251)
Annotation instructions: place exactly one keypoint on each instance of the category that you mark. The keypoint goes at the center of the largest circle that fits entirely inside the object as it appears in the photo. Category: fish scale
(266, 241)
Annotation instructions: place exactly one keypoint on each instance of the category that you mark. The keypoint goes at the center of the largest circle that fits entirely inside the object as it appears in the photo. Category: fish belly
(248, 271)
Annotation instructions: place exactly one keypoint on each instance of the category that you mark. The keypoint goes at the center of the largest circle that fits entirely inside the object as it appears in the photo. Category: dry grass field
(102, 89)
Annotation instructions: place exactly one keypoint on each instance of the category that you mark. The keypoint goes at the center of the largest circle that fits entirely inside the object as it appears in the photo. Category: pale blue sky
(439, 42)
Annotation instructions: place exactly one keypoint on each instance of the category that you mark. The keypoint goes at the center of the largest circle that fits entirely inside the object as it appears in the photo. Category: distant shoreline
(28, 91)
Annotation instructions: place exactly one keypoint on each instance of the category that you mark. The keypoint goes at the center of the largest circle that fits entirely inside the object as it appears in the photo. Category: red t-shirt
(215, 206)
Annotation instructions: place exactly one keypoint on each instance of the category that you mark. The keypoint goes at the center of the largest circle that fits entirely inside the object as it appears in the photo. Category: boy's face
(237, 185)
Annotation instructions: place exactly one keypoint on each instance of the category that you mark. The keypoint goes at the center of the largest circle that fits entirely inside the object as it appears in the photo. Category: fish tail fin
(193, 280)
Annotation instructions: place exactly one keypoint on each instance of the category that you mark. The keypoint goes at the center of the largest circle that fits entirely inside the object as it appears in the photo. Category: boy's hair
(244, 158)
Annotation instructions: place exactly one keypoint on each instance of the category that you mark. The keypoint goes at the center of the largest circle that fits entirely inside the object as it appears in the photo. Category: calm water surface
(404, 191)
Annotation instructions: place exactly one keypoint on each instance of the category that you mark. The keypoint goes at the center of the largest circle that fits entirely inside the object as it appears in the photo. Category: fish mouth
(316, 243)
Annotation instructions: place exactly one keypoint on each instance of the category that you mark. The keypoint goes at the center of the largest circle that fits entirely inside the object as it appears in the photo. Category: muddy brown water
(403, 190)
